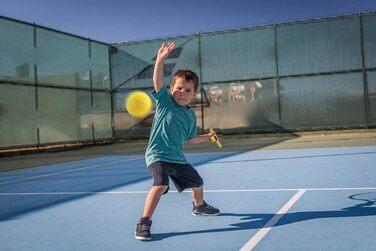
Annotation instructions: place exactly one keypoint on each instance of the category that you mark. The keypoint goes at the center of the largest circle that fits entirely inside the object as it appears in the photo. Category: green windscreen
(62, 59)
(18, 117)
(321, 46)
(304, 75)
(369, 31)
(371, 76)
(61, 115)
(54, 87)
(332, 100)
(238, 55)
(17, 54)
(249, 105)
(101, 115)
(99, 64)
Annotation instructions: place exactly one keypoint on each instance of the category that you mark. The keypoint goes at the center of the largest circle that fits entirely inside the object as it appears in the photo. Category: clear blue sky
(115, 21)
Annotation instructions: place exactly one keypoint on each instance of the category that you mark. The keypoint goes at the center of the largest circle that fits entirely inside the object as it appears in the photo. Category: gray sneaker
(205, 210)
(143, 229)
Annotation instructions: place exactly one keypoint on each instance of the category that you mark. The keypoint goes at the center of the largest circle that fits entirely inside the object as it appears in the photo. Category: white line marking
(291, 189)
(268, 226)
(67, 171)
(74, 193)
(188, 191)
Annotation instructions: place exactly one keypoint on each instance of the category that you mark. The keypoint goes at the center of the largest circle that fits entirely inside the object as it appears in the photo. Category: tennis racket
(215, 139)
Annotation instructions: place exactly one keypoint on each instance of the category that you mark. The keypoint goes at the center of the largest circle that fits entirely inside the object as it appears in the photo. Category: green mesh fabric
(56, 87)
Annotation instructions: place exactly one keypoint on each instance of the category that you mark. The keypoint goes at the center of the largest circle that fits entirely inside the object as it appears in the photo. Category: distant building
(23, 71)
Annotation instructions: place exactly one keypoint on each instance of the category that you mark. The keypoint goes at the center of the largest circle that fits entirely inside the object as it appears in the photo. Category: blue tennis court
(296, 199)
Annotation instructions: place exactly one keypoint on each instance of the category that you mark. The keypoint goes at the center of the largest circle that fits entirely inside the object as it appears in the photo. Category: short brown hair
(188, 75)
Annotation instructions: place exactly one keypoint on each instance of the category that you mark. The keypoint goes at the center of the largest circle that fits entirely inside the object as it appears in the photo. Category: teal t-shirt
(172, 126)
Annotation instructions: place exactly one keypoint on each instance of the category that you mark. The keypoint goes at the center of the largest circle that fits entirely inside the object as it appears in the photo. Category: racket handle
(215, 139)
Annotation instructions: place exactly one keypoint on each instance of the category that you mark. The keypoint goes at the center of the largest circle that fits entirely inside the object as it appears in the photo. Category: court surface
(301, 198)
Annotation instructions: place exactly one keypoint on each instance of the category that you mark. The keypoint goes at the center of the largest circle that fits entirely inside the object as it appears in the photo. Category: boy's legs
(185, 176)
(160, 173)
(200, 207)
(198, 195)
(160, 186)
(144, 223)
(152, 200)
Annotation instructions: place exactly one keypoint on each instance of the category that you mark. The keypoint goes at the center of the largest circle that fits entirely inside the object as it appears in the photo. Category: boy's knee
(197, 188)
(161, 188)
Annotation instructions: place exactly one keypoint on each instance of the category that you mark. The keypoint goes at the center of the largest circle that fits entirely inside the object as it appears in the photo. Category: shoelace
(145, 227)
(207, 206)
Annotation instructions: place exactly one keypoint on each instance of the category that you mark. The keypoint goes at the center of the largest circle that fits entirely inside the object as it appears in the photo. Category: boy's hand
(165, 50)
(214, 138)
(206, 137)
(210, 134)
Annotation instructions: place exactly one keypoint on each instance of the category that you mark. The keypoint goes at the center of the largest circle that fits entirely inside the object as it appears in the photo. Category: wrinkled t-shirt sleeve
(161, 96)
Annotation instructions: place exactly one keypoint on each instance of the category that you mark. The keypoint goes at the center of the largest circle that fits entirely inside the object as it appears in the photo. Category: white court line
(67, 171)
(188, 191)
(291, 189)
(268, 226)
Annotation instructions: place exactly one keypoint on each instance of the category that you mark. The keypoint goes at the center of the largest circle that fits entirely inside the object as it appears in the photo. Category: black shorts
(182, 175)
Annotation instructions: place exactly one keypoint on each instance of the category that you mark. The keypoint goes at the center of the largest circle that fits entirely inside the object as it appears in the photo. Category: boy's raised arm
(158, 76)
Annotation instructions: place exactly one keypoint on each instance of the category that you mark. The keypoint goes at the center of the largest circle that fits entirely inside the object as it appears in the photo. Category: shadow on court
(43, 192)
(298, 157)
(80, 184)
(257, 221)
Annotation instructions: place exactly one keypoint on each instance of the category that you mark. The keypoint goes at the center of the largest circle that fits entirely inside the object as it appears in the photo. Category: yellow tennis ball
(138, 104)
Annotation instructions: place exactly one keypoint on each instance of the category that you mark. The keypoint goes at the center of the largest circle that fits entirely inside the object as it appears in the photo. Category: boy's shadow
(257, 221)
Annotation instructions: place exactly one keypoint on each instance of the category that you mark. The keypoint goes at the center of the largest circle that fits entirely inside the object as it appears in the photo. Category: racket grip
(214, 139)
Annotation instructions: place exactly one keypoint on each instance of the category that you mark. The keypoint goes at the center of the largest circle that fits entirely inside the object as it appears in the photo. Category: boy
(174, 124)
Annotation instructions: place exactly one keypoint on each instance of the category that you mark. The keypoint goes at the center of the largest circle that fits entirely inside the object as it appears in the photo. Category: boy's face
(182, 91)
